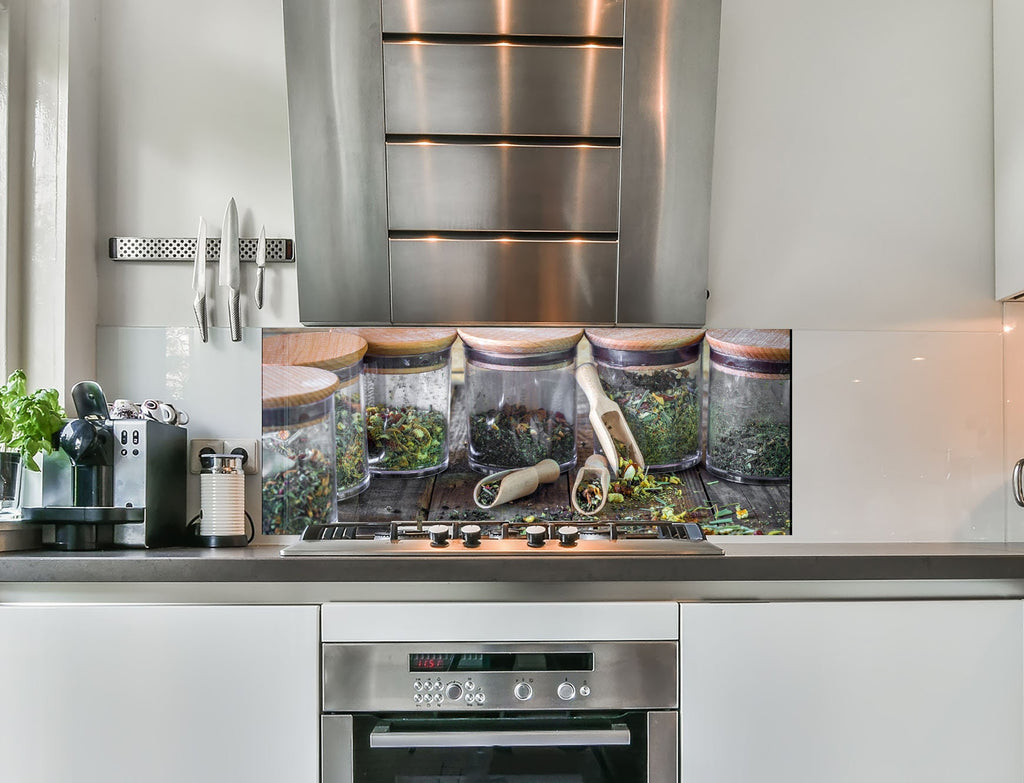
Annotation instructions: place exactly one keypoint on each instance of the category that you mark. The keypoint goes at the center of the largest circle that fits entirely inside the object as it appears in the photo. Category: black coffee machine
(112, 482)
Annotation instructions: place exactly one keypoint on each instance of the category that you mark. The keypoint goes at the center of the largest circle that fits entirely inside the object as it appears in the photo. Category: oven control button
(417, 699)
(522, 691)
(469, 698)
(438, 535)
(584, 690)
(417, 686)
(438, 698)
(566, 691)
(568, 535)
(535, 535)
(479, 697)
(470, 685)
(454, 691)
(470, 535)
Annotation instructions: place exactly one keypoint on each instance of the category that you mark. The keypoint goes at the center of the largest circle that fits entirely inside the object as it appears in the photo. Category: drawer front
(597, 18)
(509, 281)
(502, 187)
(502, 89)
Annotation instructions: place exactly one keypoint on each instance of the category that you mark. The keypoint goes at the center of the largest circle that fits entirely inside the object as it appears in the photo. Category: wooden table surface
(722, 507)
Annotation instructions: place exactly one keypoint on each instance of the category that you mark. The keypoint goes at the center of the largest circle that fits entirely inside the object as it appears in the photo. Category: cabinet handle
(1018, 489)
(381, 737)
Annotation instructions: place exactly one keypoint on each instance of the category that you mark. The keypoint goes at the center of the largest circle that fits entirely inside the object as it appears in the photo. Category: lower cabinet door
(161, 694)
(852, 692)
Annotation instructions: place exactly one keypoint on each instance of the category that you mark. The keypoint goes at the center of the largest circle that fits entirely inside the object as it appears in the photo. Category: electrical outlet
(249, 449)
(198, 446)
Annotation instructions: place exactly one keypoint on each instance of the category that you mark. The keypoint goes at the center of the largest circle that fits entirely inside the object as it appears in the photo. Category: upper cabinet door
(1008, 107)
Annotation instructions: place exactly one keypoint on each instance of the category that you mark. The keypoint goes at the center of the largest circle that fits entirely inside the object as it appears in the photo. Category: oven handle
(383, 737)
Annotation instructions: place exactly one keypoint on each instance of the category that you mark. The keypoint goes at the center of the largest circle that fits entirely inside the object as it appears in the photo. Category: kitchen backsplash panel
(898, 436)
(216, 383)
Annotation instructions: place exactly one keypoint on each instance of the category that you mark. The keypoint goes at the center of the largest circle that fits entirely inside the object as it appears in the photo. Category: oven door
(638, 747)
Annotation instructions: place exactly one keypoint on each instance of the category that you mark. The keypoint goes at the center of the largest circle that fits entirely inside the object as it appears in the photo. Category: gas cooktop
(480, 539)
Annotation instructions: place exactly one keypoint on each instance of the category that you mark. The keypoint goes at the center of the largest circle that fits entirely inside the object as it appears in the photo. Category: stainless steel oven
(515, 712)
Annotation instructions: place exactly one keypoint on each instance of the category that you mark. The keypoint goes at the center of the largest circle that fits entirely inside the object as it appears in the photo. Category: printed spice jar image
(298, 448)
(407, 376)
(654, 375)
(749, 437)
(339, 353)
(521, 396)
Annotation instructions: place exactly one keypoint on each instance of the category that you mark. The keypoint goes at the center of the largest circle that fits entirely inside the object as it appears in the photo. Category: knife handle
(199, 306)
(258, 294)
(234, 317)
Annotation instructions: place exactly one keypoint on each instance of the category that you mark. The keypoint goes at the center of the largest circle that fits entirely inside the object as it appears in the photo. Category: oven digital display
(502, 662)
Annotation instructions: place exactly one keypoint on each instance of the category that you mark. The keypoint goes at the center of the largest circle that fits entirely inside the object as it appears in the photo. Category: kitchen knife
(229, 274)
(261, 262)
(199, 281)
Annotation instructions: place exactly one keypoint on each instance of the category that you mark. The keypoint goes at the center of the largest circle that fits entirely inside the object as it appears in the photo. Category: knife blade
(229, 273)
(199, 281)
(261, 262)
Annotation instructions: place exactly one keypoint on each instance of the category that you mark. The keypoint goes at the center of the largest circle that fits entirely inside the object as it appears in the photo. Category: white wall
(852, 202)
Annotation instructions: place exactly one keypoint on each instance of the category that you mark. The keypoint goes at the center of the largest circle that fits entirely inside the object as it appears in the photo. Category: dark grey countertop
(744, 561)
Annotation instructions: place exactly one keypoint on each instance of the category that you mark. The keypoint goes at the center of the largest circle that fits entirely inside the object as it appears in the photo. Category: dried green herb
(662, 409)
(406, 438)
(297, 486)
(488, 491)
(516, 437)
(753, 448)
(351, 441)
(589, 495)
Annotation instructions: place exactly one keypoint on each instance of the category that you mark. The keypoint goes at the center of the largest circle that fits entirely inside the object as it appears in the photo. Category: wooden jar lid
(289, 387)
(403, 341)
(522, 341)
(328, 350)
(644, 339)
(771, 345)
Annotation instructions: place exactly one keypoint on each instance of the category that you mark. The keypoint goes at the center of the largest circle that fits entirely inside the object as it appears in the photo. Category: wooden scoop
(607, 420)
(518, 482)
(596, 467)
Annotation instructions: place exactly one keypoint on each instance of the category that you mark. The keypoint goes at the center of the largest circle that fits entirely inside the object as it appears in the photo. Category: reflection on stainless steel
(515, 119)
(593, 18)
(668, 128)
(502, 187)
(336, 749)
(444, 280)
(626, 675)
(663, 751)
(336, 121)
(437, 88)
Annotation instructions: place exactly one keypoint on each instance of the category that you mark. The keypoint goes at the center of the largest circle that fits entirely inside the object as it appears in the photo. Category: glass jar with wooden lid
(521, 396)
(341, 354)
(298, 448)
(654, 375)
(749, 396)
(407, 374)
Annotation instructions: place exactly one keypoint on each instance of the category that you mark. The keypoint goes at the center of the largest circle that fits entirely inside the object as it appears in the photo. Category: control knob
(453, 692)
(535, 535)
(470, 535)
(566, 691)
(568, 535)
(438, 535)
(522, 691)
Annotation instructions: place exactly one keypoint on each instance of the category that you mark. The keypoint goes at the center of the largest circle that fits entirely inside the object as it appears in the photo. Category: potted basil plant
(28, 423)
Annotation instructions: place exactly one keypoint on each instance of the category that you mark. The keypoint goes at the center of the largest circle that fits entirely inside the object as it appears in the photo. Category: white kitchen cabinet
(886, 692)
(1008, 134)
(161, 694)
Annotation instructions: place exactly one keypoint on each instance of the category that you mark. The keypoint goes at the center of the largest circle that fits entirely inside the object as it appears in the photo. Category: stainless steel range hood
(501, 161)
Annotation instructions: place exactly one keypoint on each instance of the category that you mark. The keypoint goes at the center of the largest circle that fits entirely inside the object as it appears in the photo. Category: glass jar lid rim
(520, 341)
(321, 348)
(643, 339)
(288, 386)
